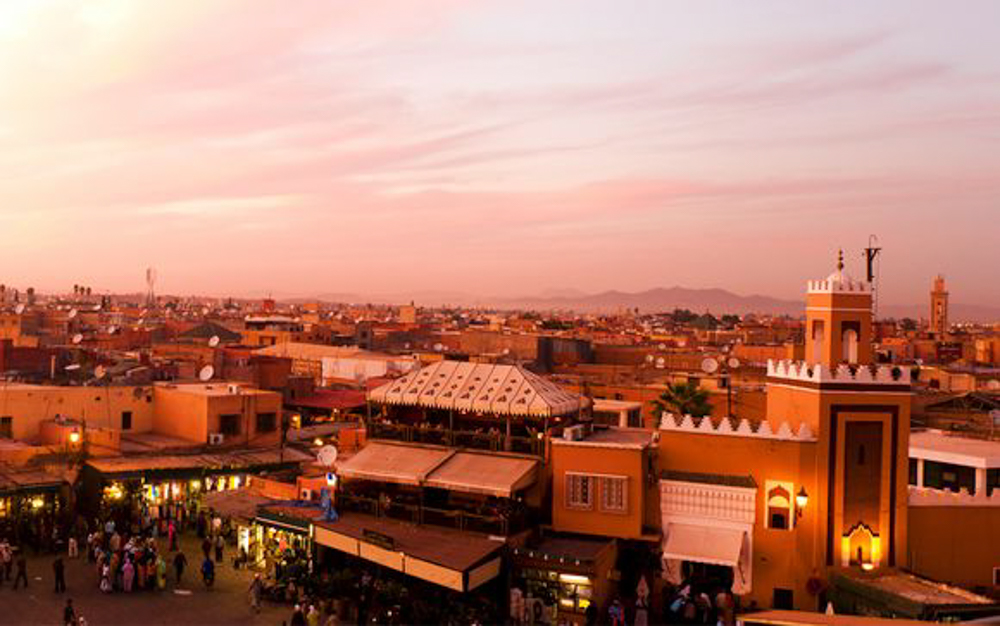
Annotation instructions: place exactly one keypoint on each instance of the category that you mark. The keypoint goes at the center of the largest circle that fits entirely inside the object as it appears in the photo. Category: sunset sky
(253, 146)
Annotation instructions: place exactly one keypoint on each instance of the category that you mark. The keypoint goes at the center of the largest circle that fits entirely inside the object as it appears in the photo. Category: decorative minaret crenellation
(743, 428)
(801, 371)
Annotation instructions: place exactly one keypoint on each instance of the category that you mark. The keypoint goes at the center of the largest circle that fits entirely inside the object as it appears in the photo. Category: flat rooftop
(917, 590)
(805, 618)
(211, 389)
(633, 438)
(724, 480)
(615, 405)
(941, 447)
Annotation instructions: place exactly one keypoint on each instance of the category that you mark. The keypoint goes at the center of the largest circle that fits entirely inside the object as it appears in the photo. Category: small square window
(614, 494)
(229, 424)
(579, 491)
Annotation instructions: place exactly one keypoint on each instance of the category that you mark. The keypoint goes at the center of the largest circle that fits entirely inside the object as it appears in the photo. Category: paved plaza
(226, 603)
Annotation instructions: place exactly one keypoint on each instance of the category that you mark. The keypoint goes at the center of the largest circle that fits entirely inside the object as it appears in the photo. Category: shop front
(31, 505)
(557, 579)
(171, 487)
(279, 541)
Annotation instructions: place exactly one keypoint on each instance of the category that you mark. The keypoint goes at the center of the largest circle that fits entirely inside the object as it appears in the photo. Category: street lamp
(801, 500)
(74, 437)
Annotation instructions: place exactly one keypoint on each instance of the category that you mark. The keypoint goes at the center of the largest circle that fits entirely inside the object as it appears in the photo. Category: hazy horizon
(498, 148)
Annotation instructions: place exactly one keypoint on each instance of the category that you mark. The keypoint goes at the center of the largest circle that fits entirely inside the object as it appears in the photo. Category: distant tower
(939, 307)
(150, 287)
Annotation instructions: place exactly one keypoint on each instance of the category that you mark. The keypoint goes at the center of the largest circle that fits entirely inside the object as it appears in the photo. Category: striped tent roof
(478, 388)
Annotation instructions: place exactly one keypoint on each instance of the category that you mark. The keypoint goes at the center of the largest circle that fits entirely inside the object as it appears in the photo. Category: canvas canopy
(479, 388)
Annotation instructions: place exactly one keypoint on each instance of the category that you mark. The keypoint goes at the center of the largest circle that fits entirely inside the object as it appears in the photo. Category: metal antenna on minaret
(871, 257)
(150, 287)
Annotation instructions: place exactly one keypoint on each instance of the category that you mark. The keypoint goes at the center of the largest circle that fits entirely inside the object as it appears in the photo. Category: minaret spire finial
(840, 260)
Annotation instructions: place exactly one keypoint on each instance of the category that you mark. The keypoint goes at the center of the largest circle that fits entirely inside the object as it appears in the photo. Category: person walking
(220, 543)
(312, 617)
(206, 547)
(180, 562)
(73, 549)
(69, 613)
(208, 572)
(59, 570)
(128, 575)
(172, 536)
(298, 617)
(255, 591)
(22, 571)
(7, 559)
(161, 573)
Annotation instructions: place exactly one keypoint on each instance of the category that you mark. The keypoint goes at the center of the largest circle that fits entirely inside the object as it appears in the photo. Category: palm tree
(682, 399)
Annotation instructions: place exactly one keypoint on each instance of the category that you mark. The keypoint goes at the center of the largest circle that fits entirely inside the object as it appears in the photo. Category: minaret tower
(860, 412)
(939, 307)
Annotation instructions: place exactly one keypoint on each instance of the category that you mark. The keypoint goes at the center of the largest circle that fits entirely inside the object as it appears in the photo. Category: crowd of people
(697, 603)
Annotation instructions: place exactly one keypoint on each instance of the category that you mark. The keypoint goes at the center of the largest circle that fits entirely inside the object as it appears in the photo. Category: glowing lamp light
(331, 479)
(196, 484)
(801, 500)
(37, 503)
(74, 437)
(317, 441)
(868, 566)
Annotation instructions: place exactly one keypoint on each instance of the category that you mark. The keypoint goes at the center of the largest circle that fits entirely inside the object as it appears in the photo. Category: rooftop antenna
(150, 287)
(871, 260)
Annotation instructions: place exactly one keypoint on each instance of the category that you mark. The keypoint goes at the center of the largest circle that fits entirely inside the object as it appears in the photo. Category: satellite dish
(72, 367)
(661, 347)
(661, 363)
(77, 338)
(142, 313)
(204, 311)
(206, 373)
(709, 365)
(649, 358)
(438, 347)
(112, 329)
(506, 350)
(72, 313)
(327, 456)
(19, 308)
(214, 341)
(733, 362)
(97, 307)
(99, 371)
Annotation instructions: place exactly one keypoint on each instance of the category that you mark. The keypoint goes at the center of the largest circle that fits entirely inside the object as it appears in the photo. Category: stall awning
(455, 559)
(396, 463)
(196, 464)
(701, 544)
(487, 474)
(241, 503)
(298, 519)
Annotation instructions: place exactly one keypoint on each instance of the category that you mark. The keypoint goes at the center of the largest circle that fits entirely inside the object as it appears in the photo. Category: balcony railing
(417, 514)
(492, 441)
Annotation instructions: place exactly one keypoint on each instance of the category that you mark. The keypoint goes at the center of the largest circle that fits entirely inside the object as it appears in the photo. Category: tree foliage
(682, 399)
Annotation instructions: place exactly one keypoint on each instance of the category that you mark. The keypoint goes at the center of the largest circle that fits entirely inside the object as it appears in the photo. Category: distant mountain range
(716, 301)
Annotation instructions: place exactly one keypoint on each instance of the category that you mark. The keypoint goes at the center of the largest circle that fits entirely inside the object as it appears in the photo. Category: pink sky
(252, 146)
